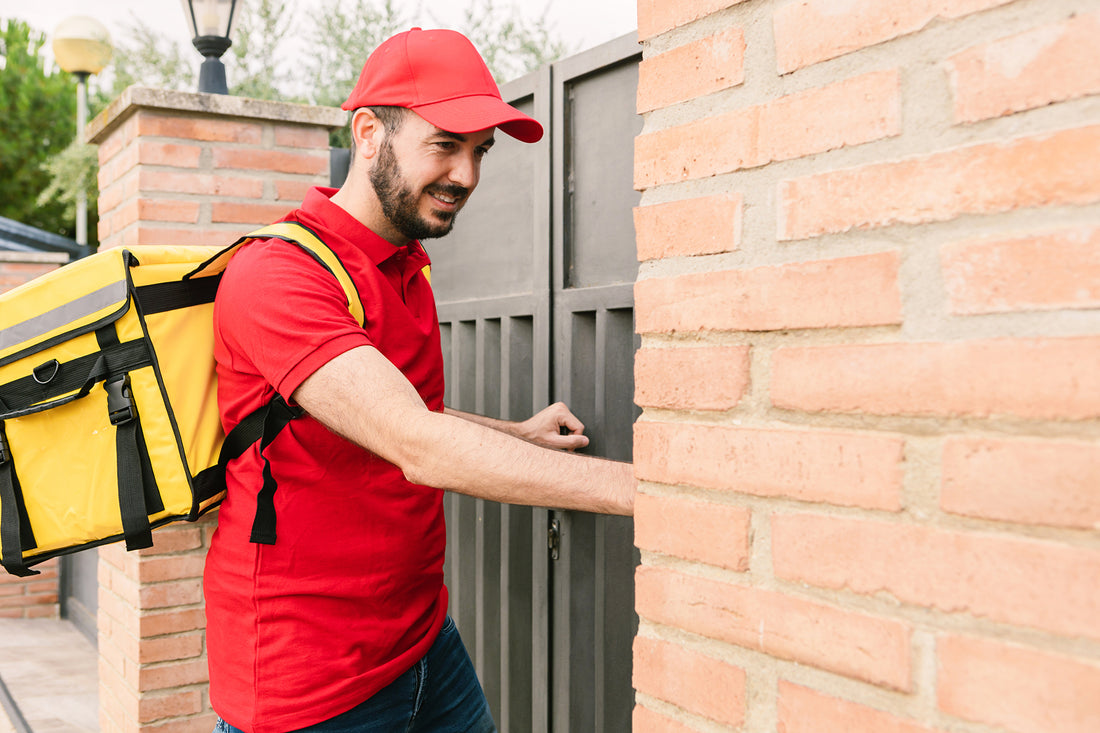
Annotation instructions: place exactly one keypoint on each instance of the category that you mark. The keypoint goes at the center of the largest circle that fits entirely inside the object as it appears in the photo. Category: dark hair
(391, 117)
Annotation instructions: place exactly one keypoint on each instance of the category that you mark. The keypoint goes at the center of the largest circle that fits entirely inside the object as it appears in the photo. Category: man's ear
(367, 131)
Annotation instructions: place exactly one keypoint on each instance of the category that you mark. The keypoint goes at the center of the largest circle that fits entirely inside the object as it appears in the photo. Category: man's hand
(545, 428)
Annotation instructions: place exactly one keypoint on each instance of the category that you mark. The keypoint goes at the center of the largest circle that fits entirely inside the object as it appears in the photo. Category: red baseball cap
(439, 75)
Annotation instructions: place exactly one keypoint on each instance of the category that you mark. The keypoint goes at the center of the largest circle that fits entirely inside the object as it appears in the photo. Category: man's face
(423, 176)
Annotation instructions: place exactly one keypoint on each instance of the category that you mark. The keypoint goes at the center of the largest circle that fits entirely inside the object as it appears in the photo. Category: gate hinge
(553, 539)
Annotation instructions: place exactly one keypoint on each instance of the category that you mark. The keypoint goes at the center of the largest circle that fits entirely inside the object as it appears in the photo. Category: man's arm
(542, 428)
(363, 397)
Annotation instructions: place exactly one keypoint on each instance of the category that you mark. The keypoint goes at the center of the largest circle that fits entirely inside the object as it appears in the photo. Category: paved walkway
(50, 669)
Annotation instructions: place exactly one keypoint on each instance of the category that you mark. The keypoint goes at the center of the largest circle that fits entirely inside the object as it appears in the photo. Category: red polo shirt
(351, 594)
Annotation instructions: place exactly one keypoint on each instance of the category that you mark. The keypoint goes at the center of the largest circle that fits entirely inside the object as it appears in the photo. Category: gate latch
(553, 538)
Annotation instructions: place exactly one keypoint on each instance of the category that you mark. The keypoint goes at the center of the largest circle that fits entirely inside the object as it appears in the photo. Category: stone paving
(50, 669)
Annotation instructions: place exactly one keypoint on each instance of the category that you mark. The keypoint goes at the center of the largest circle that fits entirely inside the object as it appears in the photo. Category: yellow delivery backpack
(109, 420)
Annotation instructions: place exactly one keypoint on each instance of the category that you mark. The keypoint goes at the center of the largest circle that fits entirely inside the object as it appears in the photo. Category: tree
(511, 44)
(255, 66)
(40, 120)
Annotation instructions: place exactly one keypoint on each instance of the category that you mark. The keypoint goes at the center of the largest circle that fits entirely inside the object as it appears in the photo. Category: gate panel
(550, 635)
(491, 280)
(595, 266)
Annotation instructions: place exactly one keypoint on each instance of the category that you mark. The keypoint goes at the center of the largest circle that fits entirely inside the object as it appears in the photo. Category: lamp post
(82, 47)
(210, 22)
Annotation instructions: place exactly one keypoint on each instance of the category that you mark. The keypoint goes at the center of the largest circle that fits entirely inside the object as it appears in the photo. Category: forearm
(504, 426)
(490, 464)
(451, 452)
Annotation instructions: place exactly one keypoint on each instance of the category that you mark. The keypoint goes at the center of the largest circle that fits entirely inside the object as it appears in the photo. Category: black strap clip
(121, 408)
(5, 451)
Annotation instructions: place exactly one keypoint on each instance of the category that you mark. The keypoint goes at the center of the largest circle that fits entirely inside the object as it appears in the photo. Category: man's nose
(466, 170)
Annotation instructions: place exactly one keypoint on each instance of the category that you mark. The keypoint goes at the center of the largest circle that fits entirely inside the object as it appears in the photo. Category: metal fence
(535, 296)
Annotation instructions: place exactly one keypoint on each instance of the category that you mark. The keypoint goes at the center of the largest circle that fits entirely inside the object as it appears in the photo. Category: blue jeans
(440, 694)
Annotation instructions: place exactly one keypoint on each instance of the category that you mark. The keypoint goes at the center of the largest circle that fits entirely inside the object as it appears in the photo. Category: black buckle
(121, 408)
(5, 452)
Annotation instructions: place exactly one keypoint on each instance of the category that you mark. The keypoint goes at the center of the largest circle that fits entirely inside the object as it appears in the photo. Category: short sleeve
(280, 315)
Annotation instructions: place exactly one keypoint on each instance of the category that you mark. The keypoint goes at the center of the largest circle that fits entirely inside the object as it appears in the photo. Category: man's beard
(401, 205)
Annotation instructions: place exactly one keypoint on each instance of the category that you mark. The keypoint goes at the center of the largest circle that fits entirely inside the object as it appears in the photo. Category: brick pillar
(869, 303)
(180, 168)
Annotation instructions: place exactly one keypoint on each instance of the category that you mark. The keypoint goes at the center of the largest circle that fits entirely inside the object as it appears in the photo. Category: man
(341, 624)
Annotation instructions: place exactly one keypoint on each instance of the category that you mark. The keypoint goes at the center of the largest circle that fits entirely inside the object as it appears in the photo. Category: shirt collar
(318, 208)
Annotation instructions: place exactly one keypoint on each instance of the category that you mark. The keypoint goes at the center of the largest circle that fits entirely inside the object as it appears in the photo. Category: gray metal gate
(535, 295)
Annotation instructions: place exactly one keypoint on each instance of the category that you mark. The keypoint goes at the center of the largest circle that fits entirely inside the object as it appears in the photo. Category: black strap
(134, 473)
(15, 534)
(278, 415)
(25, 396)
(175, 294)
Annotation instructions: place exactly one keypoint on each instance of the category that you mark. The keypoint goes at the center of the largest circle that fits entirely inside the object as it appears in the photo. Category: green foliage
(511, 44)
(340, 41)
(39, 120)
(72, 170)
(254, 65)
(147, 57)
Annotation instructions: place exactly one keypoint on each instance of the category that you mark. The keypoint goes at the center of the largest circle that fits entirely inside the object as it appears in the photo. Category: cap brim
(480, 112)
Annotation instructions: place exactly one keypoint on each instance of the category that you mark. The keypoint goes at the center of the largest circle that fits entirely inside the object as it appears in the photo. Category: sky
(581, 23)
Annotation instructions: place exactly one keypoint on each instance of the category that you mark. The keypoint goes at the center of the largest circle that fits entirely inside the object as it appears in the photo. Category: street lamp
(210, 21)
(82, 47)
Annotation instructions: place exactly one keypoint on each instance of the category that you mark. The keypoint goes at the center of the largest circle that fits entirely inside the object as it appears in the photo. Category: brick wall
(869, 303)
(178, 168)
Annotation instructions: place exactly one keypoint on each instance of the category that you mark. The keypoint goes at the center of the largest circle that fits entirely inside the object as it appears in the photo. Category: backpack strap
(266, 422)
(15, 529)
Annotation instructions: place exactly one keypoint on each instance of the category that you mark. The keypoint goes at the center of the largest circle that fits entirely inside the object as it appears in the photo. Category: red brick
(169, 154)
(176, 593)
(1051, 379)
(701, 67)
(842, 114)
(802, 710)
(175, 538)
(238, 213)
(701, 226)
(700, 531)
(1049, 64)
(697, 683)
(186, 236)
(645, 720)
(1054, 169)
(855, 645)
(314, 163)
(849, 469)
(194, 724)
(1040, 271)
(700, 378)
(815, 30)
(301, 136)
(1015, 687)
(184, 212)
(171, 622)
(204, 127)
(170, 567)
(1027, 481)
(177, 674)
(1012, 580)
(207, 184)
(658, 16)
(169, 705)
(170, 648)
(851, 291)
(290, 190)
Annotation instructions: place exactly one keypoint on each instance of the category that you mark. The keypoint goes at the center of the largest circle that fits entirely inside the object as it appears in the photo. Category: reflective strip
(33, 328)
